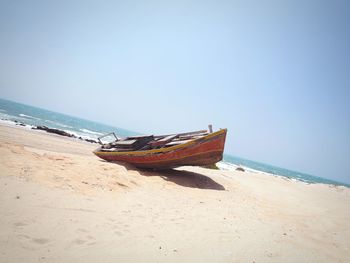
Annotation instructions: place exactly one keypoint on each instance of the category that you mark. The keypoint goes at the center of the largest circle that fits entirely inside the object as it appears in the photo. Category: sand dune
(59, 203)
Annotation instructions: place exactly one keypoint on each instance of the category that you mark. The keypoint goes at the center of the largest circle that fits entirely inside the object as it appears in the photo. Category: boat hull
(207, 150)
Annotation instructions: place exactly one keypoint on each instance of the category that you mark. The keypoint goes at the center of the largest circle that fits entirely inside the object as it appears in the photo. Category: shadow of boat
(179, 177)
(189, 179)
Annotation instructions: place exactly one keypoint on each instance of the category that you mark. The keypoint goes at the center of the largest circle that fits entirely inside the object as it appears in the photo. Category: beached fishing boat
(198, 148)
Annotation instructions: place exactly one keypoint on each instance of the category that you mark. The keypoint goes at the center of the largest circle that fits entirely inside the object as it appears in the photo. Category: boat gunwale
(177, 158)
(161, 150)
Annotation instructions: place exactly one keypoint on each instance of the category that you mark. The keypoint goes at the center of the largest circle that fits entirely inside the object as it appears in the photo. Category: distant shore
(60, 203)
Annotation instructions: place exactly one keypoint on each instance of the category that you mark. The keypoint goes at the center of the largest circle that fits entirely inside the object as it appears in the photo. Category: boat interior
(148, 142)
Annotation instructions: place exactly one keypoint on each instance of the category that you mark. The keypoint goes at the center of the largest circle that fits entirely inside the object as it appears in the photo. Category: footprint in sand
(122, 185)
(82, 230)
(133, 182)
(79, 241)
(24, 237)
(19, 224)
(118, 233)
(25, 242)
(41, 241)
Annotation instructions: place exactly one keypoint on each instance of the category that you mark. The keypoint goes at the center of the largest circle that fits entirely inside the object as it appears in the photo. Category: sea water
(231, 162)
(12, 112)
(33, 116)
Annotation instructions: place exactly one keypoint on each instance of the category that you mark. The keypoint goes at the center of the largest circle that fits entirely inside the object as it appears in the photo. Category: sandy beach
(60, 203)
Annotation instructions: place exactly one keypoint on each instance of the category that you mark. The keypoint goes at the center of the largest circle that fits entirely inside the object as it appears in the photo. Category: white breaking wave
(58, 124)
(5, 116)
(29, 117)
(91, 132)
(8, 122)
(226, 166)
(82, 135)
(12, 123)
(232, 167)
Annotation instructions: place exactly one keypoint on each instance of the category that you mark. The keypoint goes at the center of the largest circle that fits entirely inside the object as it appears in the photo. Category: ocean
(12, 112)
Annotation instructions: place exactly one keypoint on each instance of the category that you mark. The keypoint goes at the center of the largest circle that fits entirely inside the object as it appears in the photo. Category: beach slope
(60, 203)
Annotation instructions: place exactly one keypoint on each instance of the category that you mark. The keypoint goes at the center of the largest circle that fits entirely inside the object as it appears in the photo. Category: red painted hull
(204, 151)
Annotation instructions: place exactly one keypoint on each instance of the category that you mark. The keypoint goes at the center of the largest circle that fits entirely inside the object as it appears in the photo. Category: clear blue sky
(275, 73)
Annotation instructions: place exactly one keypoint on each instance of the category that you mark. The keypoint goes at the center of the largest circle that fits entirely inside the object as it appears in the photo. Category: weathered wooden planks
(134, 143)
(183, 134)
(162, 141)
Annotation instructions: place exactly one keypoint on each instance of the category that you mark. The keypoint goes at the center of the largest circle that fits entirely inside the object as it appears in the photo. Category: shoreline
(222, 164)
(47, 129)
(60, 203)
(329, 182)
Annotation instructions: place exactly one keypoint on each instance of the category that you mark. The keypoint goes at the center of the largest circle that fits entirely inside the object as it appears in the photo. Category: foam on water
(4, 116)
(14, 124)
(226, 166)
(91, 132)
(58, 124)
(258, 167)
(81, 134)
(28, 116)
(223, 165)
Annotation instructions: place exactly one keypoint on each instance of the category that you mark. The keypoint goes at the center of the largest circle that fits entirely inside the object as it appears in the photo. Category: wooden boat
(199, 148)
